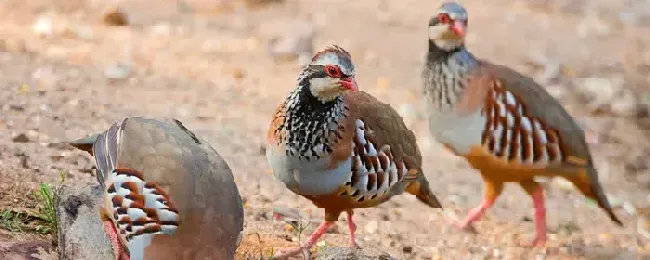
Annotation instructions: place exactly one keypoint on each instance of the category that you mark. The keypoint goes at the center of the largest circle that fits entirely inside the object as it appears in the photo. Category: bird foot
(539, 241)
(466, 227)
(354, 244)
(285, 253)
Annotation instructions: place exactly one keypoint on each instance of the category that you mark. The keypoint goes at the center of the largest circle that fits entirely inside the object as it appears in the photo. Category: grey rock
(599, 91)
(347, 253)
(80, 228)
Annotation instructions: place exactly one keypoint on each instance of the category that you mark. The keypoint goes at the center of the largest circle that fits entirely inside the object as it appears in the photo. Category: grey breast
(309, 177)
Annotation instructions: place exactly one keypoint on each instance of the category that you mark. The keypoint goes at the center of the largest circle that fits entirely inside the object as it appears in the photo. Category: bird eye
(444, 18)
(333, 71)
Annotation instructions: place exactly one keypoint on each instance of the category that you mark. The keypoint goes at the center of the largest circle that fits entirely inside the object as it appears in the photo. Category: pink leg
(540, 217)
(118, 250)
(353, 228)
(476, 213)
(492, 192)
(313, 238)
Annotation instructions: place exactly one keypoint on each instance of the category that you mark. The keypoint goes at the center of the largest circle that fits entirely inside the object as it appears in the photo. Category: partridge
(340, 147)
(167, 193)
(504, 124)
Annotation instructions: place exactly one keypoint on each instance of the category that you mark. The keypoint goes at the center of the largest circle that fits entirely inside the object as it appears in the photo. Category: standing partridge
(341, 148)
(167, 194)
(505, 125)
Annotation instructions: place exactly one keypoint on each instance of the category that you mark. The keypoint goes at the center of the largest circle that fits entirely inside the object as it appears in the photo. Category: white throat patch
(443, 38)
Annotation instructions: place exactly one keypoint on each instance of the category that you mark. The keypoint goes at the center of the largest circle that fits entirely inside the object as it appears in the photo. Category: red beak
(350, 84)
(459, 28)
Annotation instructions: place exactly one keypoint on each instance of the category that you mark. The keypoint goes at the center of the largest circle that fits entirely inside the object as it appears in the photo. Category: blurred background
(69, 68)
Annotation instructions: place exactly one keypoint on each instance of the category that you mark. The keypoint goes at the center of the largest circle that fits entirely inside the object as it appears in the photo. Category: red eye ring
(444, 18)
(333, 71)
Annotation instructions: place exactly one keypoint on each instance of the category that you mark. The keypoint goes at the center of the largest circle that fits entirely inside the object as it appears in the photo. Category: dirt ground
(65, 73)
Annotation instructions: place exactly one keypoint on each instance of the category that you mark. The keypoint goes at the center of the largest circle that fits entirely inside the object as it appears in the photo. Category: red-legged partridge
(504, 124)
(340, 147)
(167, 194)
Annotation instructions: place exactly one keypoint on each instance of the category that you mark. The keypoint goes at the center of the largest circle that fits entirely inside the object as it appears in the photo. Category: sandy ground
(207, 65)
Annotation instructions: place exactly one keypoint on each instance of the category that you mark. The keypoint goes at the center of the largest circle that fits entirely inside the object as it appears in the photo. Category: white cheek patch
(325, 89)
(435, 32)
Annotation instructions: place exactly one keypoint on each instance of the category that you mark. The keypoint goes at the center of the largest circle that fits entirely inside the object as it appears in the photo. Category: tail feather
(103, 146)
(591, 188)
(86, 143)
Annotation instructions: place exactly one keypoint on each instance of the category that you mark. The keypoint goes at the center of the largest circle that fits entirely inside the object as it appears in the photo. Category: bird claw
(538, 242)
(285, 253)
(466, 227)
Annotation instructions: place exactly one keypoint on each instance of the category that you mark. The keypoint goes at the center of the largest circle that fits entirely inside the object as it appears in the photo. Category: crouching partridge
(167, 194)
(505, 125)
(341, 148)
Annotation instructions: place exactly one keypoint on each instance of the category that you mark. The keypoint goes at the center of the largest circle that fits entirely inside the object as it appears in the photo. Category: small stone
(115, 17)
(599, 91)
(261, 3)
(43, 27)
(629, 208)
(13, 45)
(238, 73)
(626, 105)
(117, 71)
(83, 32)
(564, 250)
(371, 227)
(21, 138)
(161, 29)
(552, 71)
(496, 253)
(289, 40)
(34, 135)
(23, 88)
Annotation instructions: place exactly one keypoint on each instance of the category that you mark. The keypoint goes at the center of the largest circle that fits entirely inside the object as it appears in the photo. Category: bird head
(447, 28)
(330, 74)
